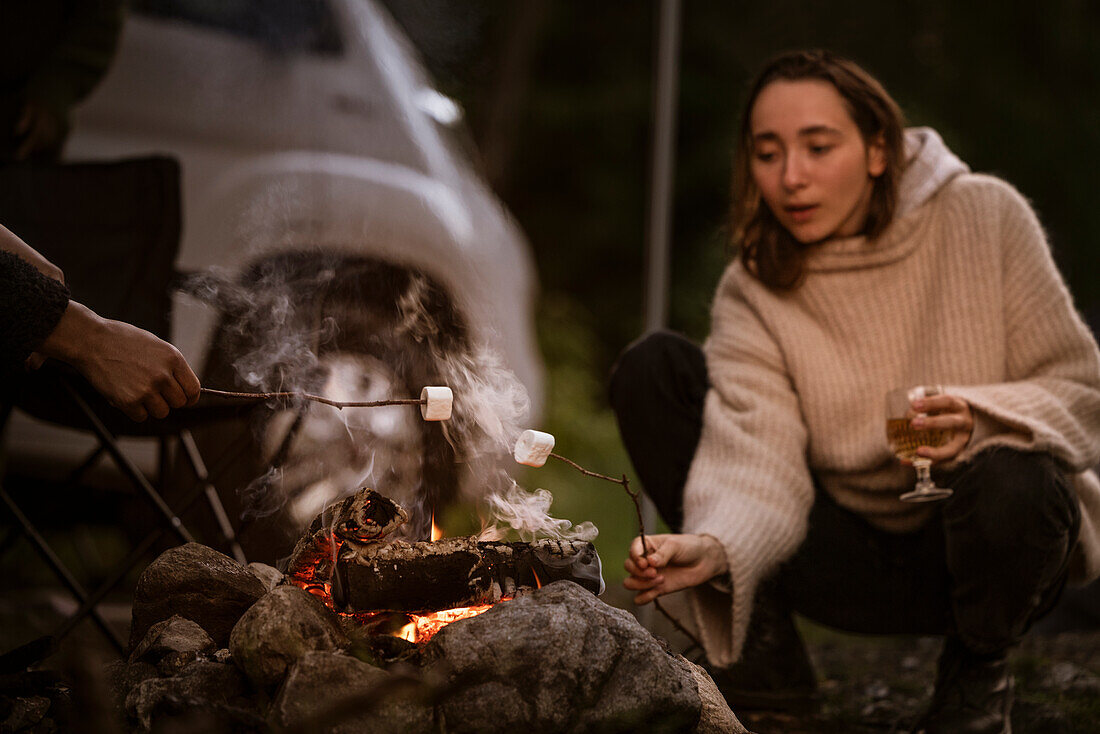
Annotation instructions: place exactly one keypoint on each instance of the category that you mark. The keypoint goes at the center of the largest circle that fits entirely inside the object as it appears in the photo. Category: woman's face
(810, 162)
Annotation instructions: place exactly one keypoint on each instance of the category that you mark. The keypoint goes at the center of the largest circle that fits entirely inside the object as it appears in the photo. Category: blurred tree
(558, 99)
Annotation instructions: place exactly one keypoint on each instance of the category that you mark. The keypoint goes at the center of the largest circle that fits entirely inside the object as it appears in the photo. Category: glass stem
(924, 472)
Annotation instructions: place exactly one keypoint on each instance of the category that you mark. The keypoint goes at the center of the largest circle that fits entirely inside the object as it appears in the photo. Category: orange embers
(413, 627)
(422, 628)
(410, 626)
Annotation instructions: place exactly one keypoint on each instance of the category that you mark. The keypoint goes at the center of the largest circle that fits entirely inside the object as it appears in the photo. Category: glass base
(927, 494)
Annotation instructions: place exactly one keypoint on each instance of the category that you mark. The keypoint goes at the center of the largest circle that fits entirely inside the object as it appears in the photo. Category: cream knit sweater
(960, 290)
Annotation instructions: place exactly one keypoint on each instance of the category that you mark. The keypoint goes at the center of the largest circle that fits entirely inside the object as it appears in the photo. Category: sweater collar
(929, 166)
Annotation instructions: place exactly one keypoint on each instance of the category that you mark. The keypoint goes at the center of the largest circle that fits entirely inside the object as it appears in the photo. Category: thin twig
(315, 398)
(584, 471)
(641, 534)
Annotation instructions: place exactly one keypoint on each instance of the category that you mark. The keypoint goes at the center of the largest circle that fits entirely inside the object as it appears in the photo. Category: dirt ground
(880, 685)
(874, 684)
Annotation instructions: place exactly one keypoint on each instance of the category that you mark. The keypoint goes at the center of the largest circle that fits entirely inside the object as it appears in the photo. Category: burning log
(458, 572)
(350, 560)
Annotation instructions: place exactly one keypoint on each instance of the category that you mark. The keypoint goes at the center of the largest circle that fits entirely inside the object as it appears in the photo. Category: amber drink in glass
(904, 440)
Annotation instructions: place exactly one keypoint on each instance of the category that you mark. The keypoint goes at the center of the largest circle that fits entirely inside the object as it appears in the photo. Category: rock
(174, 662)
(197, 583)
(269, 575)
(334, 692)
(715, 716)
(25, 712)
(877, 690)
(372, 644)
(279, 629)
(560, 660)
(203, 684)
(173, 635)
(1065, 677)
(122, 677)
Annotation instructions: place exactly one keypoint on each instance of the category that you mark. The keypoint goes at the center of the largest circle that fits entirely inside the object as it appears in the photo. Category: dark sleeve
(30, 307)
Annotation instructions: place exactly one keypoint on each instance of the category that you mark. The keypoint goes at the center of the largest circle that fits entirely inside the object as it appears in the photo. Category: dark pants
(992, 560)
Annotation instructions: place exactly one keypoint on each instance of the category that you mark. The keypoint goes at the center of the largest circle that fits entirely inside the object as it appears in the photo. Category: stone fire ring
(555, 660)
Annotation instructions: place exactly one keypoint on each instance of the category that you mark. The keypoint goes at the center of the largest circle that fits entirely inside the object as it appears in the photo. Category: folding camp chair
(113, 228)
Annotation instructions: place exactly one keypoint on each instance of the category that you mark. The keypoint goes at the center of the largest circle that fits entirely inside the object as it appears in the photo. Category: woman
(870, 259)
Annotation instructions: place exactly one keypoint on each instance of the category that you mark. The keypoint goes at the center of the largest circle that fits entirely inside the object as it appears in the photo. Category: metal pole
(662, 179)
(662, 173)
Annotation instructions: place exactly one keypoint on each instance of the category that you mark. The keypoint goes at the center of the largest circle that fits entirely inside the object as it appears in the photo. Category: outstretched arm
(134, 370)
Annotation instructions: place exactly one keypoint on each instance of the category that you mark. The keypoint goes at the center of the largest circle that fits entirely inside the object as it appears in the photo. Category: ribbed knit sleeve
(30, 307)
(1050, 400)
(749, 485)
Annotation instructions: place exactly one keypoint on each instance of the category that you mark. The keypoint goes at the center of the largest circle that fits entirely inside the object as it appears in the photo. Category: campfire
(364, 629)
(360, 631)
(350, 560)
(217, 646)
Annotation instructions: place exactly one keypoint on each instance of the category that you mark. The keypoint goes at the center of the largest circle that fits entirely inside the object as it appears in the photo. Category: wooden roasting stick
(641, 534)
(435, 401)
(533, 447)
(315, 398)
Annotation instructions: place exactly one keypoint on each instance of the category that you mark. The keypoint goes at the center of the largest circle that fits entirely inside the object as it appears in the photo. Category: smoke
(354, 329)
(528, 513)
(260, 497)
(273, 340)
(491, 408)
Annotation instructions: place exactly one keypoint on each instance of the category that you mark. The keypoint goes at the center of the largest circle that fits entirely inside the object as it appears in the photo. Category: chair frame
(148, 191)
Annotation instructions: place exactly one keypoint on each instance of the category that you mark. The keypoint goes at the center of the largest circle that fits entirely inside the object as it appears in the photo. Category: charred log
(457, 572)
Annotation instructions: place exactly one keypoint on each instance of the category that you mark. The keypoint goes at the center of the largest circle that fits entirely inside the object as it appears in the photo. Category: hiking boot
(774, 672)
(973, 694)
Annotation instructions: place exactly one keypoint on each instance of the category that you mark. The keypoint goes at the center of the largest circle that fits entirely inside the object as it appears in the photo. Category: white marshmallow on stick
(435, 403)
(533, 447)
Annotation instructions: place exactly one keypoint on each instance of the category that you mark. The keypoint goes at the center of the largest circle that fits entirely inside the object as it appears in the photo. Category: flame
(538, 581)
(422, 628)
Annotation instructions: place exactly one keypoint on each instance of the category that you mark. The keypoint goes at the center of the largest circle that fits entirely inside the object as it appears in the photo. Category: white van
(309, 126)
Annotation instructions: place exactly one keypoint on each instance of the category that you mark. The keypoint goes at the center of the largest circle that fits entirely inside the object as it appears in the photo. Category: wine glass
(904, 439)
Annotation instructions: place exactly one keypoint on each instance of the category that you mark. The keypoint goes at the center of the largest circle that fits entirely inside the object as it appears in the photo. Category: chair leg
(163, 461)
(126, 466)
(187, 441)
(62, 572)
(124, 567)
(78, 473)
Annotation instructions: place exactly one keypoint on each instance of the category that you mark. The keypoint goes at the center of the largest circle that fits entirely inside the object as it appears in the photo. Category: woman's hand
(944, 413)
(671, 563)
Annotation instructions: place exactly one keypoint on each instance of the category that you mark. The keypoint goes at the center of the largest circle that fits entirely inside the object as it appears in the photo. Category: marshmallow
(533, 447)
(435, 403)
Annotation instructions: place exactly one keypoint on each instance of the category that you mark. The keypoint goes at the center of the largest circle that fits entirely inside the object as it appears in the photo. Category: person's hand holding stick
(135, 371)
(671, 563)
(533, 448)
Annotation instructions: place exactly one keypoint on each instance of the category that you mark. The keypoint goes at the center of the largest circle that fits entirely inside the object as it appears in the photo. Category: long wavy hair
(766, 248)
